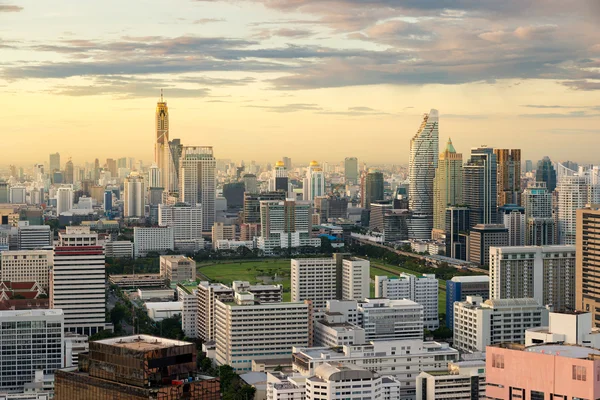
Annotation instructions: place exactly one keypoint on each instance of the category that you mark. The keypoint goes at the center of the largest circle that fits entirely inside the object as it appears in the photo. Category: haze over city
(308, 79)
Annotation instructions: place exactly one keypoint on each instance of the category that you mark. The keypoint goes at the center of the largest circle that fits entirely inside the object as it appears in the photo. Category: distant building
(545, 172)
(220, 231)
(197, 177)
(457, 228)
(234, 194)
(134, 198)
(459, 287)
(513, 218)
(185, 221)
(481, 238)
(351, 170)
(540, 225)
(480, 190)
(155, 239)
(177, 268)
(465, 380)
(252, 204)
(373, 190)
(509, 176)
(118, 249)
(27, 266)
(447, 185)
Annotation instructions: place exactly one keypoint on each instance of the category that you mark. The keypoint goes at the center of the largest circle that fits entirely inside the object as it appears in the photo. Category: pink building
(546, 371)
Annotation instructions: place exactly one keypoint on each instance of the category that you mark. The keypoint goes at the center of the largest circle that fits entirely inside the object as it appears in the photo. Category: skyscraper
(250, 184)
(545, 173)
(587, 268)
(69, 173)
(134, 196)
(279, 177)
(423, 161)
(572, 195)
(173, 158)
(480, 186)
(314, 183)
(287, 163)
(351, 170)
(509, 176)
(186, 221)
(447, 185)
(197, 181)
(457, 224)
(373, 190)
(154, 176)
(161, 144)
(64, 199)
(541, 229)
(513, 218)
(54, 164)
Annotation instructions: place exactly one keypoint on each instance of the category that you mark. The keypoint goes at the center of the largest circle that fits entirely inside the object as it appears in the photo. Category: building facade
(197, 181)
(27, 266)
(459, 287)
(482, 237)
(587, 292)
(509, 176)
(177, 268)
(480, 186)
(447, 185)
(540, 225)
(154, 239)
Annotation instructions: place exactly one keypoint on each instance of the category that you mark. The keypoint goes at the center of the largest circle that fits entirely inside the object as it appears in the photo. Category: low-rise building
(163, 293)
(118, 249)
(138, 281)
(464, 380)
(157, 311)
(177, 268)
(75, 344)
(384, 319)
(262, 293)
(479, 323)
(234, 244)
(569, 328)
(421, 289)
(334, 331)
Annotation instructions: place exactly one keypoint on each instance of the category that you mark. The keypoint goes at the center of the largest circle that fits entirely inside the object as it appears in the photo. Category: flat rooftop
(143, 342)
(563, 350)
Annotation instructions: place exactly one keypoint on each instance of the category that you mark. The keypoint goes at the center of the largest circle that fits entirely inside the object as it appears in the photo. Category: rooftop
(562, 350)
(143, 342)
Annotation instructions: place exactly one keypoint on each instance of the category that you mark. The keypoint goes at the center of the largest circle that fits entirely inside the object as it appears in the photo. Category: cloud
(289, 108)
(283, 32)
(570, 132)
(584, 85)
(547, 106)
(571, 114)
(203, 21)
(10, 8)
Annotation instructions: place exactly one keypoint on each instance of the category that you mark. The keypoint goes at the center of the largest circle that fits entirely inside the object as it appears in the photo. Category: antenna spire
(161, 95)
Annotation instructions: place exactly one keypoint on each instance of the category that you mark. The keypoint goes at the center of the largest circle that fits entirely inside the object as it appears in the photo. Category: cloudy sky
(309, 79)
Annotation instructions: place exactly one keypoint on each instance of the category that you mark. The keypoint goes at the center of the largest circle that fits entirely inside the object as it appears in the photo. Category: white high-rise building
(513, 218)
(185, 219)
(155, 239)
(18, 195)
(31, 340)
(479, 323)
(314, 182)
(134, 196)
(384, 319)
(189, 316)
(208, 294)
(26, 266)
(279, 178)
(64, 199)
(77, 282)
(545, 273)
(154, 176)
(422, 163)
(247, 331)
(32, 237)
(197, 181)
(355, 278)
(540, 226)
(314, 279)
(420, 289)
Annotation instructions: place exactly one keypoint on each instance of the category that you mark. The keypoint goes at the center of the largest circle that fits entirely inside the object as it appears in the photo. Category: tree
(118, 313)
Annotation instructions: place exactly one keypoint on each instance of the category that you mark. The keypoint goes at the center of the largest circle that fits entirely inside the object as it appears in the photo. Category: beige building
(545, 273)
(208, 294)
(220, 231)
(177, 268)
(355, 278)
(447, 185)
(27, 266)
(246, 330)
(463, 381)
(587, 292)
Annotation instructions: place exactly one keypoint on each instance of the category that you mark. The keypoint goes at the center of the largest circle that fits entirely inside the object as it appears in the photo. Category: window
(498, 361)
(535, 395)
(579, 373)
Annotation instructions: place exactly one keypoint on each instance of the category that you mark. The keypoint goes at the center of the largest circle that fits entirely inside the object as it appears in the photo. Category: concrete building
(185, 220)
(587, 289)
(262, 293)
(334, 331)
(384, 319)
(331, 207)
(545, 273)
(118, 249)
(27, 266)
(509, 176)
(351, 170)
(459, 287)
(64, 199)
(546, 371)
(422, 163)
(457, 226)
(481, 238)
(447, 185)
(137, 367)
(18, 195)
(159, 310)
(208, 294)
(572, 196)
(279, 230)
(177, 268)
(189, 315)
(77, 281)
(74, 344)
(31, 340)
(464, 380)
(31, 237)
(546, 173)
(138, 281)
(421, 289)
(513, 218)
(247, 330)
(220, 231)
(314, 182)
(197, 181)
(373, 190)
(355, 278)
(333, 382)
(154, 239)
(478, 324)
(252, 204)
(540, 225)
(134, 196)
(480, 190)
(279, 177)
(402, 359)
(576, 328)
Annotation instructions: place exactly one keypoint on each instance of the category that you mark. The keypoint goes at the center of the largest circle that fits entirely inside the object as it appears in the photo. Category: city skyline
(272, 72)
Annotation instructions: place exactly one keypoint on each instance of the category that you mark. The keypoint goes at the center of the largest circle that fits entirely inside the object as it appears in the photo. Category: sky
(307, 79)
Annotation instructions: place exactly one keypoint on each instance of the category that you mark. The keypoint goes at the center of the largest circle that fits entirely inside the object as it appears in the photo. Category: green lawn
(227, 272)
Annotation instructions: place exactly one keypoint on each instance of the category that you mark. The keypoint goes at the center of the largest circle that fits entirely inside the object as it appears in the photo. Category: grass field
(227, 272)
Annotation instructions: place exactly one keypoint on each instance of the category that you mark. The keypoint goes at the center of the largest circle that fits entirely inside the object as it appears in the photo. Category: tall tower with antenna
(161, 144)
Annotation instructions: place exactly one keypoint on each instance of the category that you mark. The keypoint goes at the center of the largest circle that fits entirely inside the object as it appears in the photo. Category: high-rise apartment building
(249, 331)
(287, 163)
(422, 163)
(513, 218)
(355, 278)
(134, 197)
(154, 177)
(351, 170)
(78, 280)
(509, 176)
(482, 237)
(457, 227)
(161, 141)
(54, 164)
(64, 199)
(26, 266)
(197, 186)
(314, 182)
(285, 224)
(185, 219)
(480, 186)
(174, 151)
(572, 195)
(540, 227)
(279, 177)
(373, 190)
(208, 294)
(69, 173)
(31, 340)
(420, 289)
(459, 287)
(587, 292)
(544, 273)
(545, 172)
(139, 367)
(447, 185)
(158, 239)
